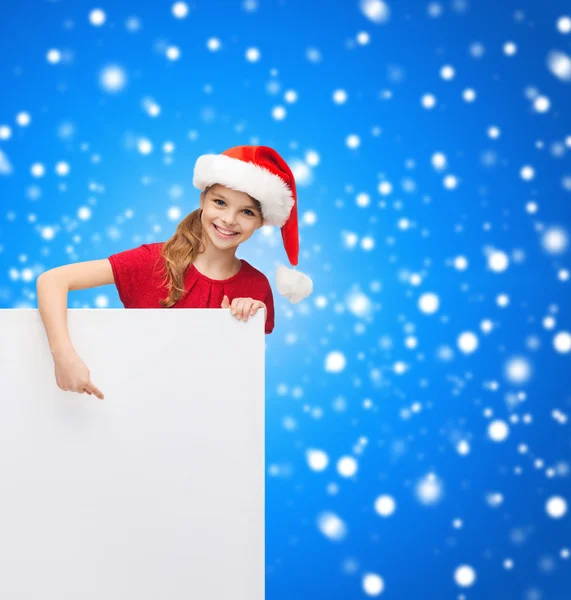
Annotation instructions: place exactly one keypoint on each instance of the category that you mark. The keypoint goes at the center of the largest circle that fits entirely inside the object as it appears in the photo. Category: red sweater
(139, 272)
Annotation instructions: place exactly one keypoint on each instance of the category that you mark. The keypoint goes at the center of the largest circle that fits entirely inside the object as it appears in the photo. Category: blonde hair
(181, 250)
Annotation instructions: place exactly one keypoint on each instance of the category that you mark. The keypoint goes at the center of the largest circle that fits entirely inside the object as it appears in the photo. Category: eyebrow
(224, 198)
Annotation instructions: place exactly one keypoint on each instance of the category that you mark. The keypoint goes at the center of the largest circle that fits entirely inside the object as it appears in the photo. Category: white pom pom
(292, 284)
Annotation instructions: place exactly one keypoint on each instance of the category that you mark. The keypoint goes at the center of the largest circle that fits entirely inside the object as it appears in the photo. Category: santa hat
(262, 173)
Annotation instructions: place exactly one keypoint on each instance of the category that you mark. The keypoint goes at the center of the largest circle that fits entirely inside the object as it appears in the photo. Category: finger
(240, 307)
(255, 306)
(225, 301)
(84, 390)
(234, 307)
(91, 388)
(247, 308)
(98, 393)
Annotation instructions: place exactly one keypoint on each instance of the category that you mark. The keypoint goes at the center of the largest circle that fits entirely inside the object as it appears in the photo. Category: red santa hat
(263, 174)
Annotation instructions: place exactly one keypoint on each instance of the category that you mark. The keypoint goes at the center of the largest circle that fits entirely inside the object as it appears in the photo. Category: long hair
(181, 250)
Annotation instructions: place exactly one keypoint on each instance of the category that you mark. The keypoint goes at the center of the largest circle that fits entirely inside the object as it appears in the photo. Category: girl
(242, 189)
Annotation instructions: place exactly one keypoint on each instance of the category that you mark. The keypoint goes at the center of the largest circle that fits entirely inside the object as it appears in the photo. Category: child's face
(231, 210)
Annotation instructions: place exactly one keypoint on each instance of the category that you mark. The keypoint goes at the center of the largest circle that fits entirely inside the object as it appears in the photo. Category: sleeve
(130, 270)
(269, 302)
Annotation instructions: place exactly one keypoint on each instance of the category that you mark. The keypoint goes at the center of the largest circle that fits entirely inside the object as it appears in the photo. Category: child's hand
(72, 374)
(242, 308)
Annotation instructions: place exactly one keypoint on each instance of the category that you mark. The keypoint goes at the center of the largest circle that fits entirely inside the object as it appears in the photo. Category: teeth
(224, 230)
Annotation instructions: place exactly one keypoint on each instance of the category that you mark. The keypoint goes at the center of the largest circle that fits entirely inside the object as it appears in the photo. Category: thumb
(225, 301)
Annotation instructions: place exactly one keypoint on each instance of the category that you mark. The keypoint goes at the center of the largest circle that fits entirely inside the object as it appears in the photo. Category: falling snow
(418, 405)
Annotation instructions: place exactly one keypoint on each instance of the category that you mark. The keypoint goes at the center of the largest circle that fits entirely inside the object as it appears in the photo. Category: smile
(224, 235)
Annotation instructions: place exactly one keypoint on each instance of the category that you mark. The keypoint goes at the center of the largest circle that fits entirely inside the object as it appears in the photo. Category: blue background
(212, 100)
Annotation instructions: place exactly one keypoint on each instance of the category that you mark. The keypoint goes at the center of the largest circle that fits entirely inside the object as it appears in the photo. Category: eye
(252, 214)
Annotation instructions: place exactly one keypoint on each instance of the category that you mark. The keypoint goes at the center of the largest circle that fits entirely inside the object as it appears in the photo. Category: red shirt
(139, 273)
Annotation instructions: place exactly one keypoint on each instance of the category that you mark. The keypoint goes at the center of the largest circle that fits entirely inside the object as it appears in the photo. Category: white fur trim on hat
(292, 284)
(268, 188)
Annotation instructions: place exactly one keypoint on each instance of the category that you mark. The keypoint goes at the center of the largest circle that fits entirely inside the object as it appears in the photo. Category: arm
(269, 302)
(52, 288)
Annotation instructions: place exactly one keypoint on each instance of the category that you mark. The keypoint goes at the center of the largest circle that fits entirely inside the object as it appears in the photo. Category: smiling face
(227, 211)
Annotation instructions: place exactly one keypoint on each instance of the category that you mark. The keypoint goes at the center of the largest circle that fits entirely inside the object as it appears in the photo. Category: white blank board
(155, 492)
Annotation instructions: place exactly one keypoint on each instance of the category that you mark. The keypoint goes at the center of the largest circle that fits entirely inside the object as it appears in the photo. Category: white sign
(154, 492)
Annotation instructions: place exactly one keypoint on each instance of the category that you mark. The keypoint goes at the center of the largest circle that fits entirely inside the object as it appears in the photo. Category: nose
(229, 220)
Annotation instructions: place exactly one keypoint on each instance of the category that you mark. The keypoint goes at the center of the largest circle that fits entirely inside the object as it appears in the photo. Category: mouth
(226, 236)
